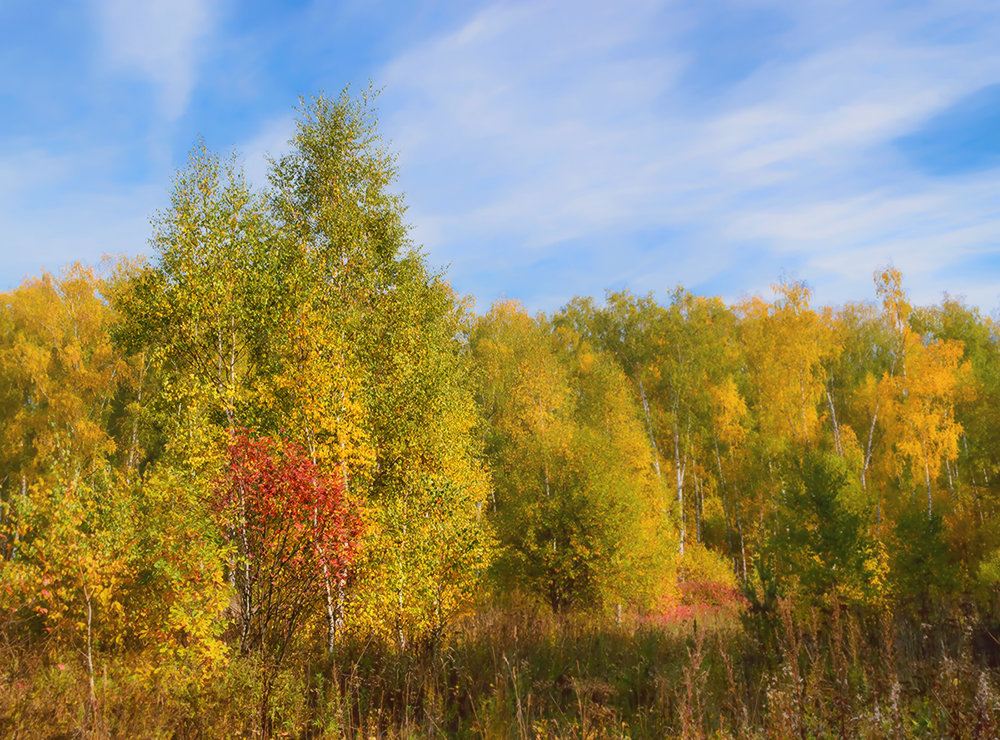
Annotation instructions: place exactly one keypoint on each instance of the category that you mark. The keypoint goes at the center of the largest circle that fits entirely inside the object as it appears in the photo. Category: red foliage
(294, 534)
(703, 601)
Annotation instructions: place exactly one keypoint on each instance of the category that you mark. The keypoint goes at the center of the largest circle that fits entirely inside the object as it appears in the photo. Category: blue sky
(546, 149)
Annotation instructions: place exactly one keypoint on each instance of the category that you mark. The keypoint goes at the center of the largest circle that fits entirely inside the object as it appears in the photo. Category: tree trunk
(92, 708)
(245, 588)
(927, 479)
(743, 550)
(836, 426)
(649, 427)
(723, 490)
(679, 467)
(699, 502)
(868, 447)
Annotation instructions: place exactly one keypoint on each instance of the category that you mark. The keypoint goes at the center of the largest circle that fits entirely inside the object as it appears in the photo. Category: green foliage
(59, 379)
(395, 414)
(304, 308)
(206, 314)
(107, 565)
(637, 457)
(577, 508)
(425, 553)
(821, 542)
(922, 567)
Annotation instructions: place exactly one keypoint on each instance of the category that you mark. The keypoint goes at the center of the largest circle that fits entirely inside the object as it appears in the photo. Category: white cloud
(83, 227)
(158, 40)
(25, 167)
(48, 221)
(538, 124)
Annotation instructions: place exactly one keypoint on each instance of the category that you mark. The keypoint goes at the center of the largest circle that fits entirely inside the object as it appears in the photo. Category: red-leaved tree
(294, 534)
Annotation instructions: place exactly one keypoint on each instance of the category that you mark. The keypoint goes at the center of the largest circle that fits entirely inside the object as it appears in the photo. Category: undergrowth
(522, 672)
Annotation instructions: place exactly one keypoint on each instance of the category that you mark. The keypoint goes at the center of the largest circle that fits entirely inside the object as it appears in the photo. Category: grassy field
(521, 672)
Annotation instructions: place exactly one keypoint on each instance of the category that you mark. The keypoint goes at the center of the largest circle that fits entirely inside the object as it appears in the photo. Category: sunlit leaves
(292, 532)
(922, 391)
(577, 505)
(59, 378)
(786, 348)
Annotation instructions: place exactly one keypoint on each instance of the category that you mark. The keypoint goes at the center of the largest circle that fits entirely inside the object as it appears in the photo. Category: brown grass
(522, 672)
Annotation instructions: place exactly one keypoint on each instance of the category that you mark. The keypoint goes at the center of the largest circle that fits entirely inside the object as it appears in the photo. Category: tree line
(284, 427)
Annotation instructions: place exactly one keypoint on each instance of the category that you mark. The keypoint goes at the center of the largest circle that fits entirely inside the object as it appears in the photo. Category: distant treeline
(284, 432)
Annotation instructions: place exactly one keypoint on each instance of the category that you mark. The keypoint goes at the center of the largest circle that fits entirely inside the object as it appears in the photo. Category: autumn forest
(279, 480)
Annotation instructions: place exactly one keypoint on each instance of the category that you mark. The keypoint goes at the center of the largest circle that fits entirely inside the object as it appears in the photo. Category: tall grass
(523, 672)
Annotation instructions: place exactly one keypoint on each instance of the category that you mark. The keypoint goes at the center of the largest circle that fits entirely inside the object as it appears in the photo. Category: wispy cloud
(46, 221)
(518, 145)
(547, 148)
(157, 40)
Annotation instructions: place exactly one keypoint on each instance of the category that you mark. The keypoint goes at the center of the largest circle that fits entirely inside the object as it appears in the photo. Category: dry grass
(524, 673)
